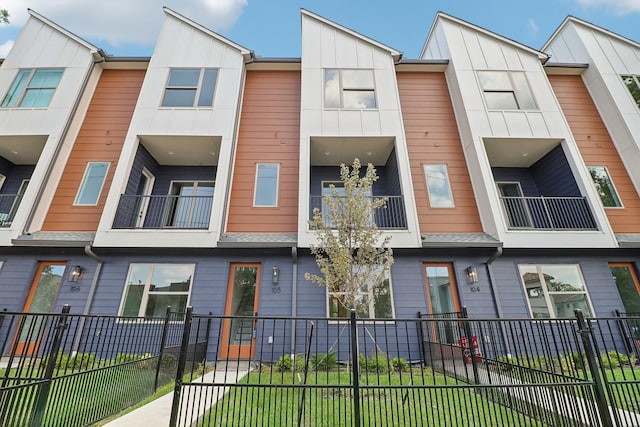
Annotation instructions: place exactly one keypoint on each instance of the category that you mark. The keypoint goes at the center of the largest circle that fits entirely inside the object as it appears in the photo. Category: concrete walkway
(194, 404)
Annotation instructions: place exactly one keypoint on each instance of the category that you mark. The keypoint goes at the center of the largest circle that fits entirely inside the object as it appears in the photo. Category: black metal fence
(73, 370)
(434, 370)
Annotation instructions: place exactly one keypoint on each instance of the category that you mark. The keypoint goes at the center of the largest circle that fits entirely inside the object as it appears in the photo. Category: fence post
(599, 389)
(420, 338)
(182, 360)
(625, 336)
(355, 370)
(163, 342)
(43, 390)
(307, 359)
(472, 349)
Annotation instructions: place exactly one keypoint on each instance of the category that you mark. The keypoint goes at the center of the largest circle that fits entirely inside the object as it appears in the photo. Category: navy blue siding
(166, 174)
(553, 175)
(142, 160)
(521, 175)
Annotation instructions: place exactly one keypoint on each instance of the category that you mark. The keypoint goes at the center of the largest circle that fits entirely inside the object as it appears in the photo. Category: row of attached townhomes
(188, 178)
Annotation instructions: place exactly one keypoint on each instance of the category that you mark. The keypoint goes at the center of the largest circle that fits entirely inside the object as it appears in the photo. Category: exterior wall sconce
(275, 274)
(472, 275)
(74, 273)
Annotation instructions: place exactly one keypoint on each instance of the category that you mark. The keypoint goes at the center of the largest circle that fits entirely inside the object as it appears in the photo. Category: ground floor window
(150, 288)
(626, 279)
(374, 299)
(555, 290)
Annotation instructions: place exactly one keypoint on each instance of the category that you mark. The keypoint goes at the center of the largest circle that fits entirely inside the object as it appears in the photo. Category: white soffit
(183, 150)
(22, 150)
(517, 152)
(332, 151)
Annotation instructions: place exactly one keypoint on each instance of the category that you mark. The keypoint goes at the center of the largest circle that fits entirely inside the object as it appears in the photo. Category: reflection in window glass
(438, 186)
(185, 85)
(633, 86)
(33, 88)
(604, 186)
(506, 90)
(628, 287)
(349, 89)
(555, 290)
(373, 301)
(266, 190)
(151, 288)
(92, 183)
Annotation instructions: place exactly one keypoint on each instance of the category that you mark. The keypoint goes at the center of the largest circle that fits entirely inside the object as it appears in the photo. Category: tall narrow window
(349, 89)
(92, 183)
(266, 189)
(506, 90)
(33, 88)
(633, 86)
(628, 286)
(440, 195)
(555, 290)
(150, 288)
(190, 87)
(604, 185)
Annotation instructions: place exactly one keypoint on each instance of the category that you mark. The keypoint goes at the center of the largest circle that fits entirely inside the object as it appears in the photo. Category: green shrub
(127, 357)
(378, 363)
(615, 359)
(572, 362)
(168, 361)
(73, 362)
(398, 364)
(323, 362)
(284, 364)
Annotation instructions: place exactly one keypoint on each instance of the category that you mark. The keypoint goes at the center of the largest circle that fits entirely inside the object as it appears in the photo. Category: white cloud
(532, 26)
(125, 21)
(622, 7)
(5, 48)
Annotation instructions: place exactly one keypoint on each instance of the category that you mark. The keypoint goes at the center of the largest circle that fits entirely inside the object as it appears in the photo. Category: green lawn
(386, 400)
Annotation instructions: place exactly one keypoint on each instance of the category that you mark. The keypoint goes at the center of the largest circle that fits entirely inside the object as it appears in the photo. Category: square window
(374, 299)
(33, 88)
(92, 183)
(266, 188)
(349, 89)
(150, 288)
(190, 87)
(438, 186)
(604, 186)
(506, 90)
(555, 290)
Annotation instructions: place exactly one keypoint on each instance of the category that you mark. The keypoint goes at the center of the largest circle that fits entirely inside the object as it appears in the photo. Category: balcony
(547, 213)
(390, 217)
(163, 212)
(9, 204)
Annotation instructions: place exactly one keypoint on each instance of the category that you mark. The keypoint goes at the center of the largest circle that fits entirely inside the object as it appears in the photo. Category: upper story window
(555, 290)
(92, 183)
(266, 188)
(633, 85)
(506, 90)
(33, 87)
(374, 300)
(604, 186)
(440, 195)
(190, 87)
(349, 89)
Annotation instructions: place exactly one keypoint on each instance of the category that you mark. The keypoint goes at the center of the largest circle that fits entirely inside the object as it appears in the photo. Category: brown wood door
(442, 299)
(238, 334)
(41, 299)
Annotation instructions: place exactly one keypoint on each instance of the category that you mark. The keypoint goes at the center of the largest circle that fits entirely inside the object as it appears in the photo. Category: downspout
(92, 292)
(63, 136)
(294, 297)
(496, 298)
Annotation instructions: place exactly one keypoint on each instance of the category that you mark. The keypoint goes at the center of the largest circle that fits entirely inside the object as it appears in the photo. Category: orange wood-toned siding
(597, 149)
(433, 138)
(100, 140)
(269, 133)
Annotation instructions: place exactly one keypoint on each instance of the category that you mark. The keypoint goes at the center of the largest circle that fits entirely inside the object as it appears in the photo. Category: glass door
(190, 204)
(628, 286)
(514, 204)
(41, 299)
(143, 191)
(238, 338)
(442, 300)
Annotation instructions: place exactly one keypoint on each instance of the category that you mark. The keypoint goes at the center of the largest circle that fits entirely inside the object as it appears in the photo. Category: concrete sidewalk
(158, 412)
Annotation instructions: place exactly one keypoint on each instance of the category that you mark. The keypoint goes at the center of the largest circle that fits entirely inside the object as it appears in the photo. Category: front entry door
(442, 299)
(628, 286)
(238, 337)
(41, 299)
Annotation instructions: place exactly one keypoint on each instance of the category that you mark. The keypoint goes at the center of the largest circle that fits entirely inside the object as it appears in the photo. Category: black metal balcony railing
(548, 213)
(166, 211)
(9, 204)
(390, 217)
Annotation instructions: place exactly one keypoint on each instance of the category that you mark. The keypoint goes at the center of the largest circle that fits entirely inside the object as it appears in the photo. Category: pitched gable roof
(93, 49)
(573, 20)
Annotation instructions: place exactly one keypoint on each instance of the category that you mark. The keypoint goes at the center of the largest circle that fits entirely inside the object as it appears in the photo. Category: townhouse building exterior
(188, 178)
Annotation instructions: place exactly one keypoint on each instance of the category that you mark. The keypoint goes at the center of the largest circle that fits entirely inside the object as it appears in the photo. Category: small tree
(351, 254)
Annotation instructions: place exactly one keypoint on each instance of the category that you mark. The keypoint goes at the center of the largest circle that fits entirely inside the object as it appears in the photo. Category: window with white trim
(354, 89)
(604, 186)
(633, 86)
(266, 188)
(190, 87)
(150, 288)
(33, 87)
(92, 183)
(505, 90)
(438, 186)
(555, 290)
(375, 300)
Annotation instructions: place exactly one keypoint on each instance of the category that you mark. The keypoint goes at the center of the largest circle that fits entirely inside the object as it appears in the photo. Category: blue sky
(271, 28)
